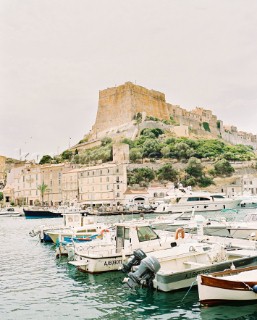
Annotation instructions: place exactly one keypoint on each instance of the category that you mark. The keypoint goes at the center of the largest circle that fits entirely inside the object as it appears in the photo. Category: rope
(192, 284)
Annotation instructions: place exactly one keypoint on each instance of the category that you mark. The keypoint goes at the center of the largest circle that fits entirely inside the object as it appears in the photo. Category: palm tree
(42, 188)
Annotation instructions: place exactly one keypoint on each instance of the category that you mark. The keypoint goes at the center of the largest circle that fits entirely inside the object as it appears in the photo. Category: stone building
(119, 105)
(2, 171)
(103, 184)
(70, 186)
(51, 175)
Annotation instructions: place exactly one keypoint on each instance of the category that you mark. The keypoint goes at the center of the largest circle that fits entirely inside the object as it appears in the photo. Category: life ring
(180, 233)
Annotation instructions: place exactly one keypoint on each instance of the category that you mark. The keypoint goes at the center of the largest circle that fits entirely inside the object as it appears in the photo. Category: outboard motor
(135, 259)
(145, 273)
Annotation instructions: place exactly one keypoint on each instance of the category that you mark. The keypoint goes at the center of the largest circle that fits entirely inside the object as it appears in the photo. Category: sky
(55, 56)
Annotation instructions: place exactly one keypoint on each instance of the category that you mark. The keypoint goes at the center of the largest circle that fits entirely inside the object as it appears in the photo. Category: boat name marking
(112, 262)
(195, 273)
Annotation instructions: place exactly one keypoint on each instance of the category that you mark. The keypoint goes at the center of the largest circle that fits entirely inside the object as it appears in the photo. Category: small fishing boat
(10, 212)
(70, 221)
(238, 285)
(84, 231)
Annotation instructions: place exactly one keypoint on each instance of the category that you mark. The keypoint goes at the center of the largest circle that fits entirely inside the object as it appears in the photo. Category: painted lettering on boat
(195, 273)
(112, 262)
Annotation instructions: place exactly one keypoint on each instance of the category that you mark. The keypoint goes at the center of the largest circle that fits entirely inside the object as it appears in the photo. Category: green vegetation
(206, 126)
(167, 173)
(153, 145)
(46, 159)
(141, 176)
(42, 188)
(1, 196)
(195, 174)
(223, 168)
(67, 155)
(102, 153)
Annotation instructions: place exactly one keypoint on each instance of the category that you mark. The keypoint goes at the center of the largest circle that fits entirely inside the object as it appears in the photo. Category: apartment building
(103, 184)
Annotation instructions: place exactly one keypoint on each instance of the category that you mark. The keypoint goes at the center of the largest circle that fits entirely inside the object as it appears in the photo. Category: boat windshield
(146, 233)
(198, 199)
(218, 196)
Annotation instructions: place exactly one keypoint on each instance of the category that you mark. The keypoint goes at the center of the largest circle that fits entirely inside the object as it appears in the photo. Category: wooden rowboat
(228, 286)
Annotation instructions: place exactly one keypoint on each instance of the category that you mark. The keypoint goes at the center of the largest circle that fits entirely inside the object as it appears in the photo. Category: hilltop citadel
(118, 107)
(106, 183)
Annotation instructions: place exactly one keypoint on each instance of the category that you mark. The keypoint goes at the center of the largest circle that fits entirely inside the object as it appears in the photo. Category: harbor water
(36, 285)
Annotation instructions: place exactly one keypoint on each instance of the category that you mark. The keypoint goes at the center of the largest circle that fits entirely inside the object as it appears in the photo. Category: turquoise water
(35, 285)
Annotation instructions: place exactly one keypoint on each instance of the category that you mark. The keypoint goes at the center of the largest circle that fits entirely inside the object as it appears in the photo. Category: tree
(45, 159)
(42, 188)
(1, 196)
(223, 168)
(135, 154)
(194, 168)
(67, 155)
(151, 147)
(140, 176)
(167, 172)
(182, 150)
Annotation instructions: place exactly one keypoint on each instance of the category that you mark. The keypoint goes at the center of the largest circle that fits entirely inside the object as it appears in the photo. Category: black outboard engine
(135, 259)
(144, 274)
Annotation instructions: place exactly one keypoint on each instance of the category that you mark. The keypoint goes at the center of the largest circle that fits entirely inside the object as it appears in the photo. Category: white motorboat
(10, 212)
(241, 229)
(70, 220)
(198, 202)
(237, 285)
(191, 222)
(86, 230)
(169, 273)
(129, 236)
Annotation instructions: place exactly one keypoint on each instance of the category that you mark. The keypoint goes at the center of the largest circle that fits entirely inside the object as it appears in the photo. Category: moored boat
(179, 272)
(10, 212)
(239, 285)
(41, 213)
(197, 201)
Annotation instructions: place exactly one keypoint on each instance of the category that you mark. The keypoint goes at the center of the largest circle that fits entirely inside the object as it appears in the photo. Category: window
(146, 233)
(126, 235)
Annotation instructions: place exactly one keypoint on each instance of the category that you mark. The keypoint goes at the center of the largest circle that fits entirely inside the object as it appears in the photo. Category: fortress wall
(120, 104)
(234, 138)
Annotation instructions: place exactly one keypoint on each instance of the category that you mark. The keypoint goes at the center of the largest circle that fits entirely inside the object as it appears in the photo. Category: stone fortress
(118, 106)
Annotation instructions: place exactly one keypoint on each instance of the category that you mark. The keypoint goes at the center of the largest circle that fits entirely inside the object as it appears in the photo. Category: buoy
(254, 288)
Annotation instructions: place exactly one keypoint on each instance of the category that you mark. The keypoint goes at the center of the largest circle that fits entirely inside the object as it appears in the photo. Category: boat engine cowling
(135, 259)
(144, 274)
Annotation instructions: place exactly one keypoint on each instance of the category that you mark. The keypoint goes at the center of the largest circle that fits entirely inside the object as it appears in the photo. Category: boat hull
(41, 214)
(99, 265)
(214, 290)
(180, 280)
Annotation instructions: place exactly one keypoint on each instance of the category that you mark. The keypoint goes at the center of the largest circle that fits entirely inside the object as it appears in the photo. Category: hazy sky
(55, 56)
